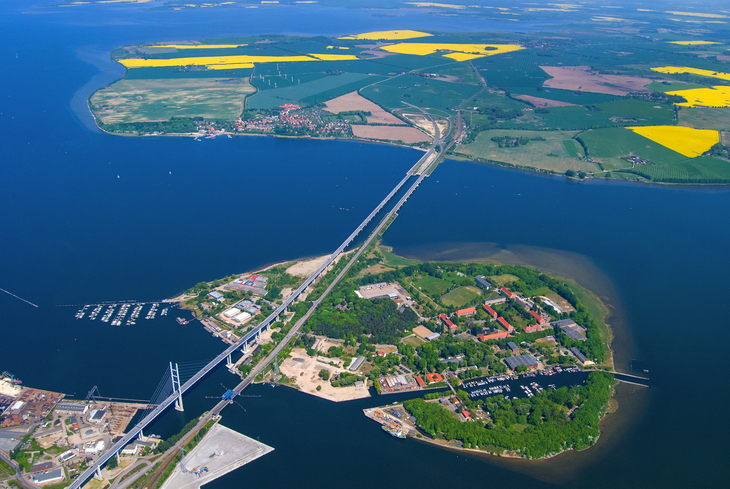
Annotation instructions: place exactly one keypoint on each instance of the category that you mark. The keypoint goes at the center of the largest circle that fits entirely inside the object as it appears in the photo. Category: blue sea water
(90, 217)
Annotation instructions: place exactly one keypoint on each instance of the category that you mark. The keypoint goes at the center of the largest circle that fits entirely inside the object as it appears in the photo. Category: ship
(394, 432)
(182, 321)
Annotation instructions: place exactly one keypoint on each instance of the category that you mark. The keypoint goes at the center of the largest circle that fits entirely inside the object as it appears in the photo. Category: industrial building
(482, 282)
(495, 300)
(528, 361)
(72, 407)
(572, 330)
(581, 358)
(356, 362)
(50, 476)
(216, 295)
(232, 312)
(511, 345)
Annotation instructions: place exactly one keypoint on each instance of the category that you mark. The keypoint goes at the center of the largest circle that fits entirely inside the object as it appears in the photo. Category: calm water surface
(89, 217)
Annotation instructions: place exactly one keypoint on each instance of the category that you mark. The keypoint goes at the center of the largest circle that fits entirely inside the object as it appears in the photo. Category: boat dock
(221, 451)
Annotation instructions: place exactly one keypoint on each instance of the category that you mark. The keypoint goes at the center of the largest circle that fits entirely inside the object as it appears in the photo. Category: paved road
(88, 473)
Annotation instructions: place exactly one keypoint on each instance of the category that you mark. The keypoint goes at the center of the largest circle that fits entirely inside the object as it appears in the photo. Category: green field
(666, 86)
(717, 118)
(461, 296)
(557, 153)
(502, 280)
(155, 100)
(333, 86)
(669, 166)
(417, 90)
(569, 96)
(432, 286)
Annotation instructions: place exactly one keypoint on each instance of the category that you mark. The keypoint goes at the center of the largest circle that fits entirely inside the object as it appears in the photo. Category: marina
(524, 385)
(124, 309)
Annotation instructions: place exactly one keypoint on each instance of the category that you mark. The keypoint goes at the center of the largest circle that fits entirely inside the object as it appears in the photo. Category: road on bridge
(95, 466)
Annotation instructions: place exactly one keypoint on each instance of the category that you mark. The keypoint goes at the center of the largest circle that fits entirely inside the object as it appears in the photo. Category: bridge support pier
(175, 374)
(258, 337)
(229, 361)
(245, 347)
(97, 475)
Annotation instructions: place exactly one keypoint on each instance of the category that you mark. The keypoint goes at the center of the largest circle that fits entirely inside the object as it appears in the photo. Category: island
(510, 360)
(637, 104)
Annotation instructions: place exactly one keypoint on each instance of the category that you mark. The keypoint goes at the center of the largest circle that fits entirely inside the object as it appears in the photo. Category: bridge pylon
(229, 361)
(97, 474)
(175, 375)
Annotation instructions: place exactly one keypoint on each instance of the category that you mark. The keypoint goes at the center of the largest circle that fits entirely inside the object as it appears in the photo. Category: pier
(220, 452)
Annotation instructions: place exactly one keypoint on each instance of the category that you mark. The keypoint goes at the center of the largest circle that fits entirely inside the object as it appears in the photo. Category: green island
(638, 102)
(402, 325)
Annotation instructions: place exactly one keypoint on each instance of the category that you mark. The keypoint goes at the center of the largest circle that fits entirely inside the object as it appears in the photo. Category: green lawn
(558, 152)
(432, 286)
(461, 296)
(414, 341)
(503, 280)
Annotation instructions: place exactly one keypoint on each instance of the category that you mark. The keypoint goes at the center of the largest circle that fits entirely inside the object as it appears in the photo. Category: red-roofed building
(490, 311)
(447, 321)
(466, 312)
(493, 336)
(505, 324)
(466, 414)
(532, 329)
(506, 292)
(538, 318)
(434, 378)
(420, 381)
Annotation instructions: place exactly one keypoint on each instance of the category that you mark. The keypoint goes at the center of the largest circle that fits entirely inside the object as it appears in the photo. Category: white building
(232, 312)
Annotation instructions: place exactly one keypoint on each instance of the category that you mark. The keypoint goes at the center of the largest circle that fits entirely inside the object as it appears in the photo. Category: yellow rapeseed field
(211, 61)
(601, 18)
(686, 141)
(199, 46)
(461, 51)
(334, 57)
(442, 5)
(693, 43)
(388, 35)
(699, 14)
(694, 71)
(718, 96)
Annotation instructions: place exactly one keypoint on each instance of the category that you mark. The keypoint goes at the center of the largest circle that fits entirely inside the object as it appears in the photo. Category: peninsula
(612, 104)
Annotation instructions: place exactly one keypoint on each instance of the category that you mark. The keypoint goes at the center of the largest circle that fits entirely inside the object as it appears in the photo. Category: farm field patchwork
(684, 140)
(156, 100)
(692, 71)
(354, 101)
(582, 78)
(718, 96)
(419, 91)
(344, 83)
(461, 52)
